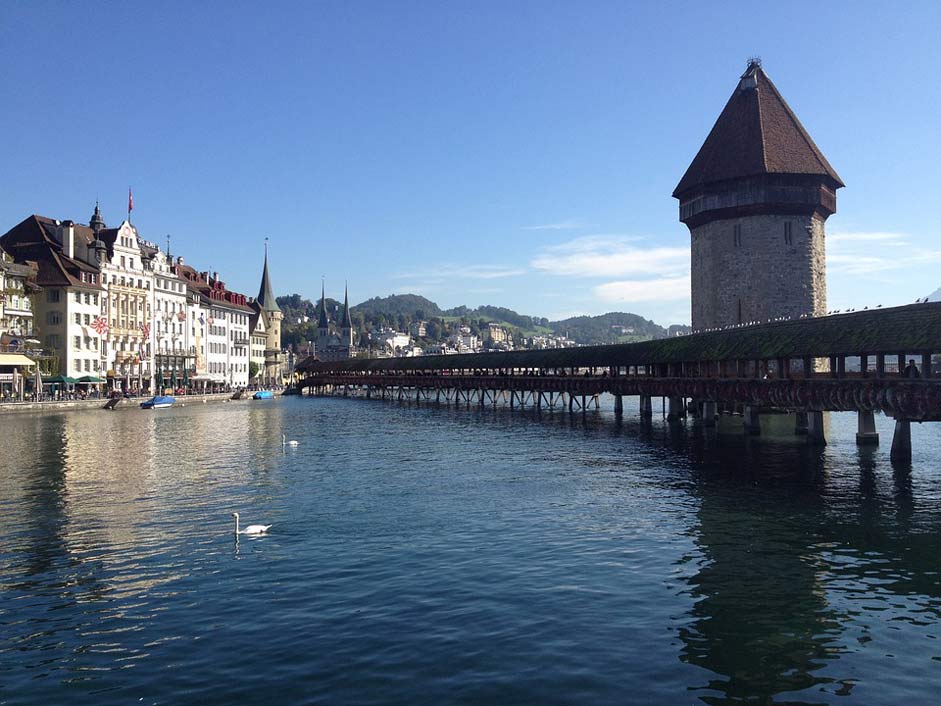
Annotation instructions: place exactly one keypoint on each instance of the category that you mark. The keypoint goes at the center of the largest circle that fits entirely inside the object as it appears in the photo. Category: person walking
(911, 370)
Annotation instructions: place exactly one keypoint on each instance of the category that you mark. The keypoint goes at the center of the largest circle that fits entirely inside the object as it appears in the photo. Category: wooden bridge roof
(911, 329)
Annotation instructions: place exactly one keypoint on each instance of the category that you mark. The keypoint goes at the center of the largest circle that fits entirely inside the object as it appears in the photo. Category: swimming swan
(292, 442)
(251, 529)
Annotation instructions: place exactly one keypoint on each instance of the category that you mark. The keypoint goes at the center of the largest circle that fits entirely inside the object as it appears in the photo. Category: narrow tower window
(737, 235)
(788, 237)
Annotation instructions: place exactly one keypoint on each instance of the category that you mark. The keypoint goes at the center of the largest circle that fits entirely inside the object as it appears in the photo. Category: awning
(15, 359)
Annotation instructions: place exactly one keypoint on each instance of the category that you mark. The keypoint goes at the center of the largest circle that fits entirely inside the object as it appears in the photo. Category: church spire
(346, 322)
(266, 297)
(323, 324)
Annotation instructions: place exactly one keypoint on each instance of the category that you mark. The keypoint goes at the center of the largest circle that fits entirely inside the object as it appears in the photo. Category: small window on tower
(737, 235)
(788, 233)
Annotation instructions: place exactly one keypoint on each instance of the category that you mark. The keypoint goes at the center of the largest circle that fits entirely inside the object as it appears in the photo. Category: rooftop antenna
(168, 247)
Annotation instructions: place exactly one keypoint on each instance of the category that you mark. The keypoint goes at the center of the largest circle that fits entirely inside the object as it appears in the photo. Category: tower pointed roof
(265, 295)
(323, 322)
(757, 133)
(96, 223)
(346, 321)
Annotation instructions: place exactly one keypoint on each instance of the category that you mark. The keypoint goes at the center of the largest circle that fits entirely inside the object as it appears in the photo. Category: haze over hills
(398, 311)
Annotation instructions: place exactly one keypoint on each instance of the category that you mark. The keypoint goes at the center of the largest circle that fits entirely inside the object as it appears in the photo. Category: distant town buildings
(334, 339)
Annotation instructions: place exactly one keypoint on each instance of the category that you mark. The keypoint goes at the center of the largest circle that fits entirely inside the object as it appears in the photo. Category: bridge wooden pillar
(618, 405)
(751, 423)
(646, 406)
(676, 410)
(800, 423)
(880, 365)
(902, 441)
(926, 365)
(709, 413)
(866, 433)
(815, 432)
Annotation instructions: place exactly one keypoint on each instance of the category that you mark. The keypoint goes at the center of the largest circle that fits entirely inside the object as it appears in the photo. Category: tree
(252, 370)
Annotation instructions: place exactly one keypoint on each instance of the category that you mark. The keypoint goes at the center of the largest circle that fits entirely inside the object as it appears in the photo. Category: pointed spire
(266, 297)
(97, 223)
(346, 322)
(323, 322)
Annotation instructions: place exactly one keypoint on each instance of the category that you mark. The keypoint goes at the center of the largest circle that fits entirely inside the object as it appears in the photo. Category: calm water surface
(442, 556)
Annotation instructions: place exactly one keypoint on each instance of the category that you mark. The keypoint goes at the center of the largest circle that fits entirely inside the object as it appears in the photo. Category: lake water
(426, 555)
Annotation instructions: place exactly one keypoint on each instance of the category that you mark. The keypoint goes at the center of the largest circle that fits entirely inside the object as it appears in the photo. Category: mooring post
(816, 434)
(902, 441)
(618, 405)
(866, 428)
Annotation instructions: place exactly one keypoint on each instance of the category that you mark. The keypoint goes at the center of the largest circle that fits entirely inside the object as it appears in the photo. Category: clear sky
(510, 153)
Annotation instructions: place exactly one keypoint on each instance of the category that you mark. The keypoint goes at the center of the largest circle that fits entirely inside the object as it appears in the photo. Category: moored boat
(158, 402)
(263, 395)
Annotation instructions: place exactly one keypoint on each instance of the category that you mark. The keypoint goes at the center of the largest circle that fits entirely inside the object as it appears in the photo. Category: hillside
(399, 310)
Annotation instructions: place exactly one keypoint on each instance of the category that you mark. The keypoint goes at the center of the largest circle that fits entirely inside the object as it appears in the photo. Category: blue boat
(263, 395)
(158, 402)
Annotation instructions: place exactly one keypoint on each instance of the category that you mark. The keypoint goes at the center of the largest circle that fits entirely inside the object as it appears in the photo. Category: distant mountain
(935, 296)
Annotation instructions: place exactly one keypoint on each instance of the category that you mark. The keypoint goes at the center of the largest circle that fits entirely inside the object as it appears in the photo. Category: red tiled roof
(757, 133)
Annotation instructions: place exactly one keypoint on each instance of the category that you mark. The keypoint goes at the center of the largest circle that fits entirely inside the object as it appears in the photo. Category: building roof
(33, 240)
(915, 328)
(265, 296)
(757, 133)
(345, 320)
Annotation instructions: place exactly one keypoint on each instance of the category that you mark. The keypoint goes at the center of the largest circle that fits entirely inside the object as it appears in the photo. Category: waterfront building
(755, 199)
(174, 324)
(68, 309)
(17, 283)
(125, 262)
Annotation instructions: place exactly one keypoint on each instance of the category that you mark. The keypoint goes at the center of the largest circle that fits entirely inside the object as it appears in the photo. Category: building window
(788, 235)
(87, 319)
(78, 319)
(78, 297)
(737, 235)
(52, 317)
(77, 342)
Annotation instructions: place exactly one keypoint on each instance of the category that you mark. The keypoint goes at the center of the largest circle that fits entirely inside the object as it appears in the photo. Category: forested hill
(399, 310)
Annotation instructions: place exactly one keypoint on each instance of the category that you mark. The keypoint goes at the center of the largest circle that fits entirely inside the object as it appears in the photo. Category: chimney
(68, 238)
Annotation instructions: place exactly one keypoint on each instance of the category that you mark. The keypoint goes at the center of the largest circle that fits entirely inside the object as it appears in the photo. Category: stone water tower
(756, 198)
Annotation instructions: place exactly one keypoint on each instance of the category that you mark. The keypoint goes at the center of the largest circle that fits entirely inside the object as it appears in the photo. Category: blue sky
(511, 153)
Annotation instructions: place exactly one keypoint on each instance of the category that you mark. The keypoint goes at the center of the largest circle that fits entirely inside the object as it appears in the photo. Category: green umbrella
(60, 379)
(91, 379)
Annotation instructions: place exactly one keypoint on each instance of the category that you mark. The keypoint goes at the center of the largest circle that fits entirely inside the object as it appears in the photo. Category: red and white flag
(130, 200)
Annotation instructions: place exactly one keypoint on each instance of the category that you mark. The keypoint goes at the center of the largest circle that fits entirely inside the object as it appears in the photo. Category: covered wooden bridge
(867, 361)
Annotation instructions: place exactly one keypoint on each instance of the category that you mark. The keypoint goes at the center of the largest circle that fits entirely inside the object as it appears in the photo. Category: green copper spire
(265, 295)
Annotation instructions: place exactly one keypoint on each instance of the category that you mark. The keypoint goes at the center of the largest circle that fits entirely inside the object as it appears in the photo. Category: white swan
(284, 443)
(251, 529)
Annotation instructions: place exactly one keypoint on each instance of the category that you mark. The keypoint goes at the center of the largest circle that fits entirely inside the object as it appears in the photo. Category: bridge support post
(866, 428)
(618, 405)
(709, 413)
(902, 441)
(800, 423)
(675, 409)
(646, 406)
(751, 423)
(815, 432)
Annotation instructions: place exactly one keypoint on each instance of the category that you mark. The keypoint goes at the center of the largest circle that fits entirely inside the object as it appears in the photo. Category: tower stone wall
(758, 267)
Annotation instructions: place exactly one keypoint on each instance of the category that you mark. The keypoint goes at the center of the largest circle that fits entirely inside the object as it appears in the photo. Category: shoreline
(132, 403)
